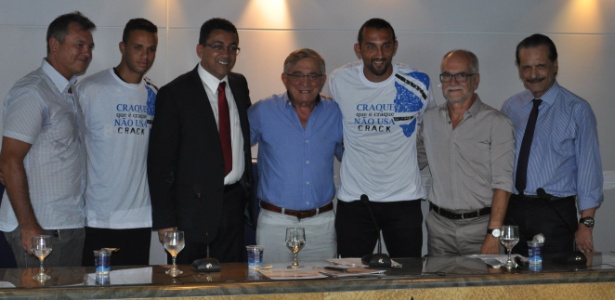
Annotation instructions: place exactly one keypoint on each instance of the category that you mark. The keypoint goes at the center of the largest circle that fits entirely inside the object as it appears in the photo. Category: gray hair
(300, 54)
(468, 54)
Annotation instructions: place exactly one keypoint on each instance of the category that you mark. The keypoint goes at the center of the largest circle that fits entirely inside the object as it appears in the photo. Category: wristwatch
(495, 232)
(587, 221)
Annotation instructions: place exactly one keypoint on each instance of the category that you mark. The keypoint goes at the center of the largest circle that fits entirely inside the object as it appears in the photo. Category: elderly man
(298, 133)
(42, 151)
(558, 156)
(470, 151)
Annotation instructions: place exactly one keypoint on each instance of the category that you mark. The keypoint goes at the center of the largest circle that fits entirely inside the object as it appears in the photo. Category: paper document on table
(355, 262)
(494, 260)
(292, 274)
(125, 276)
(348, 272)
(6, 284)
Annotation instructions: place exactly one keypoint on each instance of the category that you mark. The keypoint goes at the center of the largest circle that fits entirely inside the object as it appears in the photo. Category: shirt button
(307, 141)
(307, 162)
(307, 182)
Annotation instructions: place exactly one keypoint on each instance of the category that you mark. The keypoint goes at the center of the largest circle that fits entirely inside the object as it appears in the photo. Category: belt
(300, 214)
(456, 216)
(516, 197)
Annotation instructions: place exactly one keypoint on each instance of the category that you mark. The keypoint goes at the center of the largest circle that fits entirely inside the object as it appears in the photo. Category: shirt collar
(210, 80)
(550, 96)
(61, 83)
(475, 108)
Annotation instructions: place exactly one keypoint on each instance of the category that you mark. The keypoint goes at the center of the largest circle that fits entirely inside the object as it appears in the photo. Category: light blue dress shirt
(565, 155)
(295, 164)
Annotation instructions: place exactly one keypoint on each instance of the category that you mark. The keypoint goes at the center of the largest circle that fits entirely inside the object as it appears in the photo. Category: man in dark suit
(199, 154)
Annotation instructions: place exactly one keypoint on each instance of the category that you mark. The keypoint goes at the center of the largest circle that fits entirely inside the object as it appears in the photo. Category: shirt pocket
(63, 131)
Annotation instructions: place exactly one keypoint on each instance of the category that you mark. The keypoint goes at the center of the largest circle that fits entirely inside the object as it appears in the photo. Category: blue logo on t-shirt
(408, 101)
(151, 102)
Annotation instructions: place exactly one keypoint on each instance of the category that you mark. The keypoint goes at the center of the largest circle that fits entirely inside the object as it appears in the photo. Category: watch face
(496, 232)
(589, 222)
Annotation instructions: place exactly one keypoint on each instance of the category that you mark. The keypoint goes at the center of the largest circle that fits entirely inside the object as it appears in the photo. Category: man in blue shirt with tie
(298, 133)
(563, 163)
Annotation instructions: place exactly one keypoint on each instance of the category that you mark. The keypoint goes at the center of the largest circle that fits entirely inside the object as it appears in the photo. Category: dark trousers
(400, 222)
(134, 245)
(227, 245)
(555, 219)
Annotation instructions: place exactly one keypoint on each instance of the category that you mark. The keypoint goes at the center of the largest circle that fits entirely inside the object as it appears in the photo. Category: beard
(379, 71)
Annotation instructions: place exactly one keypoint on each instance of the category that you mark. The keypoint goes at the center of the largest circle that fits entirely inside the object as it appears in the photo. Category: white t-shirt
(118, 118)
(380, 128)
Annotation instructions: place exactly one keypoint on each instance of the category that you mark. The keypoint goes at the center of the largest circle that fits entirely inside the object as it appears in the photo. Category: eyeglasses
(220, 48)
(298, 77)
(460, 77)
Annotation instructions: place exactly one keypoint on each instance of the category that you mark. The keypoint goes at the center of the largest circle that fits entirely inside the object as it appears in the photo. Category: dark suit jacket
(185, 160)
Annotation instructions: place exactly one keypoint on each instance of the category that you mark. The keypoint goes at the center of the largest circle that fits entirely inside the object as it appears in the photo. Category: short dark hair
(58, 28)
(300, 54)
(536, 40)
(376, 23)
(138, 24)
(213, 24)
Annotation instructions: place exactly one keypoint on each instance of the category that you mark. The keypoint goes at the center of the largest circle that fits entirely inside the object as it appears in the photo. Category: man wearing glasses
(199, 154)
(298, 133)
(469, 148)
(382, 105)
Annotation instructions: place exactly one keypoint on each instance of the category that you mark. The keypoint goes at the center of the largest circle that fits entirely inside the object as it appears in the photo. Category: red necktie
(224, 128)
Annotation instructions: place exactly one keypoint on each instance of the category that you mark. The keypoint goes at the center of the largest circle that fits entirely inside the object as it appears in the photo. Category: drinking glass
(295, 240)
(509, 238)
(41, 247)
(174, 243)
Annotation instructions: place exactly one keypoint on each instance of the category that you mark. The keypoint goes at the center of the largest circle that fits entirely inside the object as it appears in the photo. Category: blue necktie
(526, 145)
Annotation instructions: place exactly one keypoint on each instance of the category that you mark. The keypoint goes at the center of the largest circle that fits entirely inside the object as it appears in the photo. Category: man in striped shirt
(563, 164)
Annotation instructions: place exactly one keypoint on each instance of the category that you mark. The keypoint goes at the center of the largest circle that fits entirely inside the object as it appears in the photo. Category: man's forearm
(19, 196)
(499, 204)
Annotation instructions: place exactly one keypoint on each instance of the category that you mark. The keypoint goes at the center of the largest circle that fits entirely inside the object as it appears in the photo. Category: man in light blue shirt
(298, 133)
(564, 159)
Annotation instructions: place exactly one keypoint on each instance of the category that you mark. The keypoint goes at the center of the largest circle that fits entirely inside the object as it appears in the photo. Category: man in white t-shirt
(118, 109)
(382, 104)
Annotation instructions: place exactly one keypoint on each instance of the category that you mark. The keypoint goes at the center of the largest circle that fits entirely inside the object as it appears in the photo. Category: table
(426, 278)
